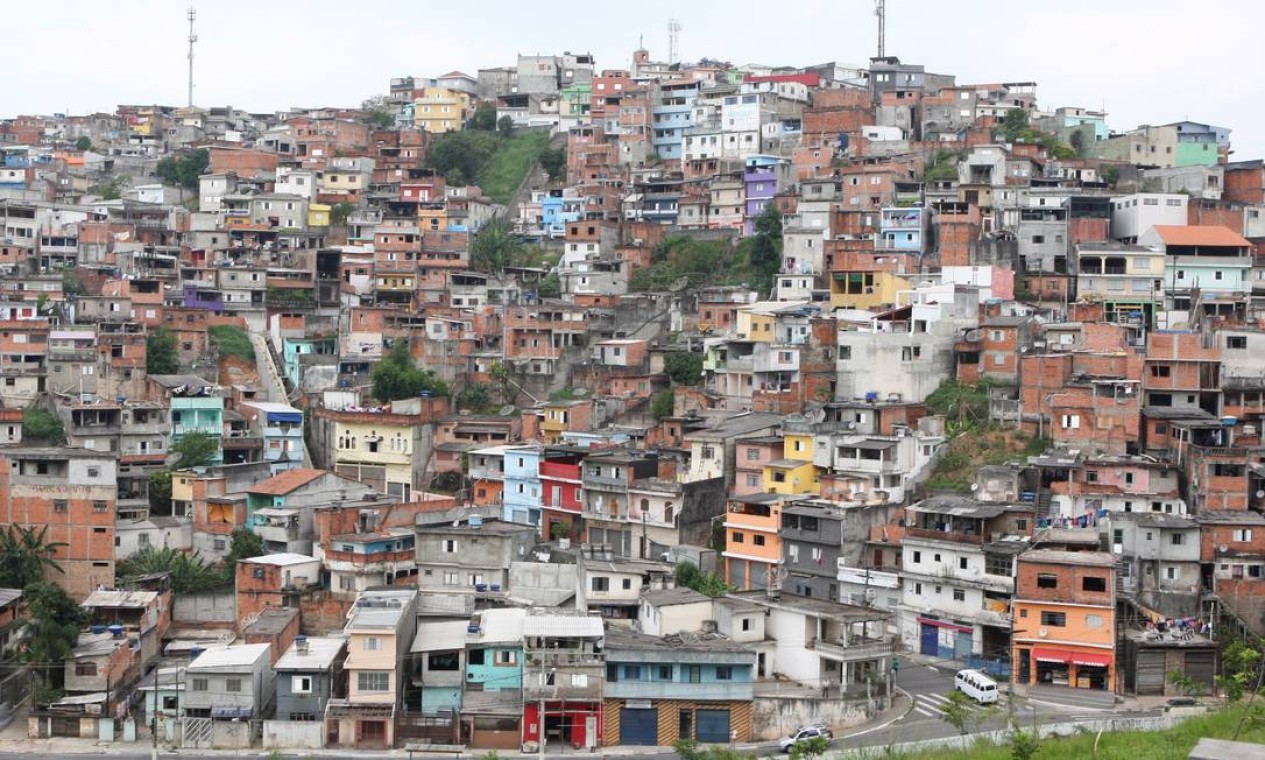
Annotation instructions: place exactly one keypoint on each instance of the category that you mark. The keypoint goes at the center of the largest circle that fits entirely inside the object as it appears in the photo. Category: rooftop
(321, 653)
(811, 606)
(242, 655)
(1204, 235)
(119, 598)
(439, 636)
(1062, 557)
(282, 559)
(667, 597)
(624, 639)
(557, 624)
(285, 482)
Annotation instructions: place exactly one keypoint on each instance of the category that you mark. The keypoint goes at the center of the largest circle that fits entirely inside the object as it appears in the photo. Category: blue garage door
(929, 643)
(713, 726)
(639, 727)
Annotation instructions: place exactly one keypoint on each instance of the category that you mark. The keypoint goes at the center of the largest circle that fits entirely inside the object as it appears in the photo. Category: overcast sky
(1146, 61)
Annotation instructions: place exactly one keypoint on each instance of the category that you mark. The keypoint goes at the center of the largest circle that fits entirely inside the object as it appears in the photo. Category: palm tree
(25, 555)
(189, 573)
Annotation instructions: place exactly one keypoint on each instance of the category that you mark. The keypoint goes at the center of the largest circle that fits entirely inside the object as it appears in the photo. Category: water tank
(195, 652)
(476, 521)
(495, 587)
(871, 396)
(98, 629)
(116, 631)
(480, 587)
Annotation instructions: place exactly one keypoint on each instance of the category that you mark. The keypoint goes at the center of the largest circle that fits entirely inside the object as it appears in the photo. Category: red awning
(1064, 657)
(1052, 655)
(1095, 660)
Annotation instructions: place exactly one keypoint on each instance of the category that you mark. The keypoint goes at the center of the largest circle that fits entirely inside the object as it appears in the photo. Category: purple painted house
(200, 297)
(760, 180)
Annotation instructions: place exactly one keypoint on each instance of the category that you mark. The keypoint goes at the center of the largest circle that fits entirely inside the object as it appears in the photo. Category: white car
(804, 734)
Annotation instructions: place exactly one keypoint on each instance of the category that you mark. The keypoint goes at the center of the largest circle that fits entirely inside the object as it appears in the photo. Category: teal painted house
(494, 650)
(196, 406)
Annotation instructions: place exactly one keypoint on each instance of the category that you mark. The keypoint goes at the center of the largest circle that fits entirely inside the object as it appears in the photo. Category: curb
(881, 726)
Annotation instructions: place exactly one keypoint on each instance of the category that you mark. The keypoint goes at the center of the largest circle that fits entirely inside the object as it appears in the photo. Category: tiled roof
(1209, 235)
(285, 482)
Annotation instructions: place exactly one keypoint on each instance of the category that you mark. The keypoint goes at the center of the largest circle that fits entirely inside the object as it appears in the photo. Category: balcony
(720, 690)
(572, 682)
(865, 649)
(241, 442)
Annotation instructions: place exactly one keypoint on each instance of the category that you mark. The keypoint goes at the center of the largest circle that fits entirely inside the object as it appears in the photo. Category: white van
(976, 685)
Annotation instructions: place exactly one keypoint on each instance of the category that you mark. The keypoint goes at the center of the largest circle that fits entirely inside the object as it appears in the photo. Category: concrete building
(379, 630)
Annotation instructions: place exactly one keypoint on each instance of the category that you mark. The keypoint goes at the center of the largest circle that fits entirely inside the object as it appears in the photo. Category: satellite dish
(680, 283)
(974, 487)
(1043, 633)
(506, 410)
(1223, 548)
(1260, 494)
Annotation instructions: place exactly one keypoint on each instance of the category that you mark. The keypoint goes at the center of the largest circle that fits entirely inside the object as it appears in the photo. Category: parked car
(805, 733)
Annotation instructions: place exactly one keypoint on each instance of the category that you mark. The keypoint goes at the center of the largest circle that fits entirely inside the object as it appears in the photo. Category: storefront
(1073, 668)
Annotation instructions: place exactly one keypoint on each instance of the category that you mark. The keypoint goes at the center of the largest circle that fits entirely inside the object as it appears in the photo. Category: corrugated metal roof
(578, 626)
(439, 636)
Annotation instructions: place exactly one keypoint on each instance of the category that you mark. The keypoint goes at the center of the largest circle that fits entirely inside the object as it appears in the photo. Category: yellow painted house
(795, 472)
(865, 290)
(439, 109)
(318, 214)
(376, 451)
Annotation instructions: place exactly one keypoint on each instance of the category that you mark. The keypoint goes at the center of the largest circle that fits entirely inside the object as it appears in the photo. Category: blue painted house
(663, 688)
(282, 428)
(522, 497)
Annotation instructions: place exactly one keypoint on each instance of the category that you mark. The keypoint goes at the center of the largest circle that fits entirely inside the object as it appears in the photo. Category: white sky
(1147, 61)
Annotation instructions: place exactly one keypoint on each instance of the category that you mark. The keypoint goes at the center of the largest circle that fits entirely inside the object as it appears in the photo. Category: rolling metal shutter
(1150, 672)
(639, 727)
(713, 726)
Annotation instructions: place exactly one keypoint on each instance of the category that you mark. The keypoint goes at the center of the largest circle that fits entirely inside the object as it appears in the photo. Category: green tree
(159, 492)
(1023, 744)
(956, 711)
(765, 256)
(476, 397)
(505, 125)
(188, 573)
(550, 286)
(340, 212)
(484, 118)
(184, 171)
(113, 189)
(70, 284)
(964, 405)
(554, 162)
(160, 353)
(26, 554)
(710, 584)
(196, 448)
(1014, 124)
(41, 425)
(53, 625)
(663, 404)
(684, 367)
(1240, 662)
(462, 156)
(244, 544)
(397, 376)
(809, 749)
(500, 374)
(83, 143)
(495, 246)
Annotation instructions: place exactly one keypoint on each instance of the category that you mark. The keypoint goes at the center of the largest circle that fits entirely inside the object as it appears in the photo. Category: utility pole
(193, 14)
(880, 10)
(153, 720)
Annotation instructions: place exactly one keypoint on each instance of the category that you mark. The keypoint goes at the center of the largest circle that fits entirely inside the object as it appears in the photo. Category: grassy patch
(508, 166)
(231, 341)
(1175, 743)
(976, 447)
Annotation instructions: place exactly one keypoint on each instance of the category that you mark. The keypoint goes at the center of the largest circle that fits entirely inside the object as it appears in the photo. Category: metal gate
(930, 641)
(638, 726)
(962, 645)
(713, 726)
(1150, 672)
(1201, 667)
(195, 732)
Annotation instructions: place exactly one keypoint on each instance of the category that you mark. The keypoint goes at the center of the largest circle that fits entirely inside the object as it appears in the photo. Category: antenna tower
(193, 14)
(674, 41)
(880, 10)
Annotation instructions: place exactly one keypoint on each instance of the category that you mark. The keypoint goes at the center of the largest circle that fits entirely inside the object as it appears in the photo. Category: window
(1177, 539)
(98, 506)
(1047, 580)
(758, 539)
(450, 547)
(199, 684)
(506, 657)
(1093, 621)
(372, 644)
(301, 685)
(738, 538)
(695, 673)
(1071, 422)
(85, 668)
(632, 672)
(724, 673)
(753, 453)
(959, 595)
(1242, 535)
(917, 557)
(600, 584)
(373, 681)
(962, 563)
(232, 684)
(1236, 341)
(60, 506)
(1055, 619)
(1159, 370)
(746, 624)
(1093, 584)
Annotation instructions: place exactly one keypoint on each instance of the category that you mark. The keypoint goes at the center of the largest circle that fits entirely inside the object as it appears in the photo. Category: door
(1149, 672)
(929, 642)
(685, 724)
(713, 726)
(638, 727)
(962, 645)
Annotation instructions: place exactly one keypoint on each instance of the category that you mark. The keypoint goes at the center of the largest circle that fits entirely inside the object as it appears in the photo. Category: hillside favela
(650, 407)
